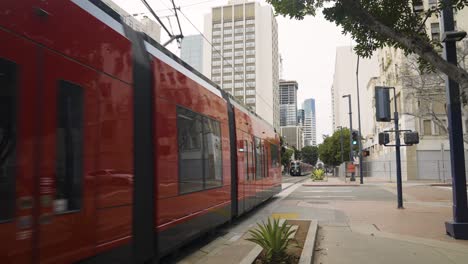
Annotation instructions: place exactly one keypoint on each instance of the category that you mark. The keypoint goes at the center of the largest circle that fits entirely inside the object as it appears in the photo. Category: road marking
(285, 215)
(325, 191)
(330, 196)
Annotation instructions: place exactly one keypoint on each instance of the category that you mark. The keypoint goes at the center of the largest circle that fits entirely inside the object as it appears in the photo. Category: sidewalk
(356, 225)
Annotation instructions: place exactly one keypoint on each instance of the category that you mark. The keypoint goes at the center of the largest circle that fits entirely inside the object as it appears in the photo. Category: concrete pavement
(356, 225)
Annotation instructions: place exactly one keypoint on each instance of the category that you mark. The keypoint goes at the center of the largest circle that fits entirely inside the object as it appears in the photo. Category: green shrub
(318, 175)
(274, 239)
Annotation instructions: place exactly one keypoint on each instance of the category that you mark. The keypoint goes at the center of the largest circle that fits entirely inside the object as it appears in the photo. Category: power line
(222, 57)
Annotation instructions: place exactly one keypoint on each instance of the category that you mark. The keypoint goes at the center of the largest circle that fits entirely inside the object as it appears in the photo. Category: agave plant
(274, 239)
(318, 174)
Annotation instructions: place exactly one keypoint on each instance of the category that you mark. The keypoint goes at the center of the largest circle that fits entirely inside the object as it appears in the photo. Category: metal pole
(458, 228)
(361, 176)
(341, 143)
(350, 134)
(398, 156)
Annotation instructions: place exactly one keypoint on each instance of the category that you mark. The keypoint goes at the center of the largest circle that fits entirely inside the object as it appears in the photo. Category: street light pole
(350, 134)
(458, 228)
(359, 123)
(341, 142)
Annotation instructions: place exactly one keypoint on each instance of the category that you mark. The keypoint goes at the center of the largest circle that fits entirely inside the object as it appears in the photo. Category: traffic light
(355, 137)
(384, 138)
(411, 138)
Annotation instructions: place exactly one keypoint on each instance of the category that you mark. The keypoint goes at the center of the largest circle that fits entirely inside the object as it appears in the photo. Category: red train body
(112, 150)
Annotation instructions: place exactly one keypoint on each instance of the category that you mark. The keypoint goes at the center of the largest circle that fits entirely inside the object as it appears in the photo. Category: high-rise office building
(288, 103)
(244, 55)
(191, 51)
(300, 117)
(310, 126)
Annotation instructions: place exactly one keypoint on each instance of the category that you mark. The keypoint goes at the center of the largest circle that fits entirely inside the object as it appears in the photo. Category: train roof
(154, 44)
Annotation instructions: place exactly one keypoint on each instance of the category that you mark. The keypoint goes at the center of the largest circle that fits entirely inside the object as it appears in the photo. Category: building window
(200, 152)
(238, 85)
(435, 31)
(69, 166)
(250, 76)
(250, 44)
(427, 126)
(250, 100)
(250, 92)
(228, 24)
(239, 38)
(250, 60)
(238, 45)
(227, 31)
(239, 93)
(250, 22)
(250, 29)
(8, 99)
(250, 36)
(432, 3)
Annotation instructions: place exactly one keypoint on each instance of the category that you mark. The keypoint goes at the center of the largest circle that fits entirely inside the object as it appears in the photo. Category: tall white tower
(244, 56)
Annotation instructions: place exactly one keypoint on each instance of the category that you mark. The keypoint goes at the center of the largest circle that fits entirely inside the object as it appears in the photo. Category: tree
(374, 24)
(330, 150)
(286, 157)
(297, 153)
(310, 154)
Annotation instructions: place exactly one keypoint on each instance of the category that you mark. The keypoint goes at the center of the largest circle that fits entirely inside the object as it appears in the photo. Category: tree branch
(414, 43)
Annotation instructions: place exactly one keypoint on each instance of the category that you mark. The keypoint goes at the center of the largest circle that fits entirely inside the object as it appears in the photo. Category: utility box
(384, 138)
(382, 104)
(411, 138)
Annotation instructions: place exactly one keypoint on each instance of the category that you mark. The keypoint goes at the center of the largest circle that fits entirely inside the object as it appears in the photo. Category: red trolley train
(113, 150)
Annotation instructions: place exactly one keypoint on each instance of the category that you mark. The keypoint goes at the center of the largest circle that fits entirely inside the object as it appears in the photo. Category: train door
(18, 134)
(65, 218)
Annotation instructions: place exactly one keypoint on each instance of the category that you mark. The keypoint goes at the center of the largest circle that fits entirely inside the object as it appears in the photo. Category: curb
(330, 185)
(250, 258)
(307, 255)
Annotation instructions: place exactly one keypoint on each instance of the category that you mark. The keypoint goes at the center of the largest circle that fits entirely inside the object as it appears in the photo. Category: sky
(307, 47)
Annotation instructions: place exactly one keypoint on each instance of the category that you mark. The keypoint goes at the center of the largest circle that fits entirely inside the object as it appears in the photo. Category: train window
(252, 162)
(8, 96)
(190, 131)
(200, 152)
(246, 159)
(265, 161)
(258, 157)
(274, 154)
(69, 166)
(212, 153)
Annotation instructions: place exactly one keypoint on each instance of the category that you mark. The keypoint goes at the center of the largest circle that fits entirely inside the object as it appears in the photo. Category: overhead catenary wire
(221, 55)
(156, 16)
(177, 17)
